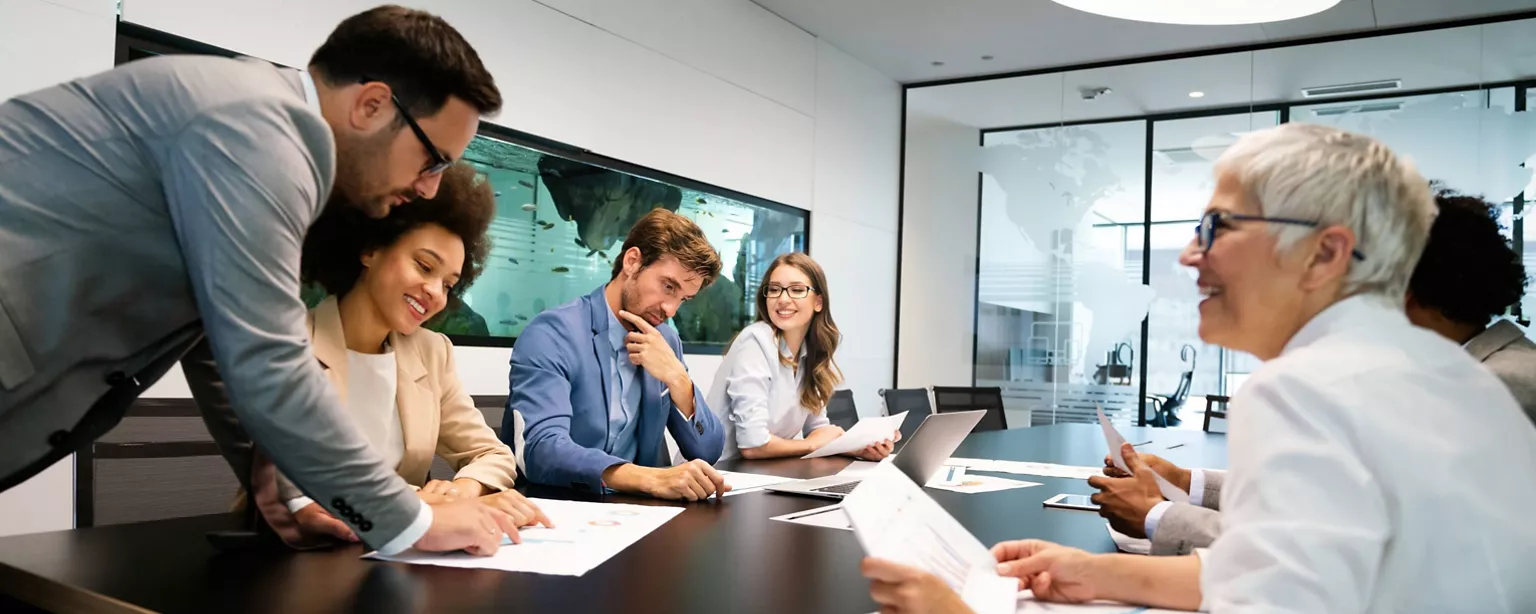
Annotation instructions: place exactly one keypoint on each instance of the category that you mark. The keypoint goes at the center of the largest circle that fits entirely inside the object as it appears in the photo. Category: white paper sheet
(1126, 543)
(1114, 440)
(829, 517)
(1049, 470)
(895, 520)
(865, 433)
(1028, 605)
(972, 484)
(585, 535)
(749, 482)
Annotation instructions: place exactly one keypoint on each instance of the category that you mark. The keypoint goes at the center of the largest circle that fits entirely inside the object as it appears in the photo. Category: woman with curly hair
(385, 278)
(1468, 277)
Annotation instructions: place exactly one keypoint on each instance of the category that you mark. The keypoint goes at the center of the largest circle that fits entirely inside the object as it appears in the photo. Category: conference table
(716, 556)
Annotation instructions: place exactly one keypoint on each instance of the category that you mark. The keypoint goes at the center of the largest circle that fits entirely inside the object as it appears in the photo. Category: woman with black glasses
(773, 387)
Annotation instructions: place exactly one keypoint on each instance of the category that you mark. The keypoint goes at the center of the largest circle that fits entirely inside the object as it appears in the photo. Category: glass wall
(1059, 295)
(1092, 181)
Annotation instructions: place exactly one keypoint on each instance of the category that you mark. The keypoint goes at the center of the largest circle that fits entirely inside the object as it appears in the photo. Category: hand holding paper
(866, 432)
(1115, 442)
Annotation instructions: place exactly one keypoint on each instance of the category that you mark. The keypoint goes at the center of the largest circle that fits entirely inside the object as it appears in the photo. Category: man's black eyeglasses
(438, 162)
(1205, 231)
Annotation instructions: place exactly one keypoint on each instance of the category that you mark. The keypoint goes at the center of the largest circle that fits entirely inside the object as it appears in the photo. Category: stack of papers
(867, 432)
(972, 484)
(585, 535)
(895, 520)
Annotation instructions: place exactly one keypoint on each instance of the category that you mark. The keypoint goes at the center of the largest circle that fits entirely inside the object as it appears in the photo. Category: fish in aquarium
(524, 183)
(560, 269)
(513, 261)
(701, 200)
(497, 194)
(603, 255)
(589, 254)
(522, 317)
(580, 244)
(530, 207)
(507, 323)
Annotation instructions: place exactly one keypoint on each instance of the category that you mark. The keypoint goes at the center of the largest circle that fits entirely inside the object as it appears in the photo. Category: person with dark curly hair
(386, 277)
(1468, 276)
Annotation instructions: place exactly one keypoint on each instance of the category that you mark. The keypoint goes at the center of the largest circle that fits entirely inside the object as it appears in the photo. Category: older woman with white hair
(1359, 481)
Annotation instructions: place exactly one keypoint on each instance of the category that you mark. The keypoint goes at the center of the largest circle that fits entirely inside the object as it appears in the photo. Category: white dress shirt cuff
(1197, 487)
(412, 532)
(1154, 516)
(298, 503)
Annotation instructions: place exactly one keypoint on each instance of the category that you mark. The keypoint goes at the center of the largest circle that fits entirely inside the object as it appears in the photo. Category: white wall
(75, 38)
(938, 253)
(720, 91)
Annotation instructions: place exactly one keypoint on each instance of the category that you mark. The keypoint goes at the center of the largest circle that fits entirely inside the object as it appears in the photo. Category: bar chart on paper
(584, 536)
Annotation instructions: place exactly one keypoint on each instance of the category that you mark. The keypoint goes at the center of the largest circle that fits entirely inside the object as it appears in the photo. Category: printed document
(748, 482)
(585, 535)
(1113, 439)
(865, 433)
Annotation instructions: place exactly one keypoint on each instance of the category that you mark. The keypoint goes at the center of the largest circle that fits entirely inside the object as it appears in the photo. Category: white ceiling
(902, 38)
(1451, 57)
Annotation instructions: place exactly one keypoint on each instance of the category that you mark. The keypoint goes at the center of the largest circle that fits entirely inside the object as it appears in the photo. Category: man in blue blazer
(599, 378)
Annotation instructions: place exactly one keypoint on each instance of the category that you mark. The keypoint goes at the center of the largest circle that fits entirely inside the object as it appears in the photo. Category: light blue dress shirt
(623, 395)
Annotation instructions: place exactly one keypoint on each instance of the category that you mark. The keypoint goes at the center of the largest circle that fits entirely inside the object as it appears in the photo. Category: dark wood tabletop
(714, 557)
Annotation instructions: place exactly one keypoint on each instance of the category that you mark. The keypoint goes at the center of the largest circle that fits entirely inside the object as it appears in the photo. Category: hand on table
(524, 512)
(314, 520)
(1053, 572)
(900, 589)
(694, 480)
(469, 525)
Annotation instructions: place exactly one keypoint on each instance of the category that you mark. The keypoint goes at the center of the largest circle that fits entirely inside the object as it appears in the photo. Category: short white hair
(1338, 178)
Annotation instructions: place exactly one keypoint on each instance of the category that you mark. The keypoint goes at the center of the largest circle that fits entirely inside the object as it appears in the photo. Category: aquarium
(562, 217)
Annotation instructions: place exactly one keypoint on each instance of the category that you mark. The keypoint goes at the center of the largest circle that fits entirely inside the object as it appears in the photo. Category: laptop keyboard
(841, 489)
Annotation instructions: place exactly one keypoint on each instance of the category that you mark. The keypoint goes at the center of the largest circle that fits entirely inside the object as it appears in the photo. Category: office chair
(914, 401)
(840, 409)
(1165, 408)
(948, 399)
(1211, 413)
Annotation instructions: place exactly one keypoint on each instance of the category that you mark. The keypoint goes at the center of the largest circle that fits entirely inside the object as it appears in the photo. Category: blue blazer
(560, 384)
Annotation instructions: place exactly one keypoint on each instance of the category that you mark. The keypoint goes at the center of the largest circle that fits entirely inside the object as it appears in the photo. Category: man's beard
(358, 160)
(629, 300)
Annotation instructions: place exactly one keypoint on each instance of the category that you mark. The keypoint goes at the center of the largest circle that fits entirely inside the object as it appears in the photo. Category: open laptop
(935, 439)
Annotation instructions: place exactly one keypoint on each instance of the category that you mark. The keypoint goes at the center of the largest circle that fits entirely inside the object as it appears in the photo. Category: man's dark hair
(464, 205)
(422, 58)
(664, 233)
(1469, 272)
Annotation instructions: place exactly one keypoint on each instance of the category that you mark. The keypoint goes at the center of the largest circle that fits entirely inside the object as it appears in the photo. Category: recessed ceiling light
(1197, 94)
(1202, 12)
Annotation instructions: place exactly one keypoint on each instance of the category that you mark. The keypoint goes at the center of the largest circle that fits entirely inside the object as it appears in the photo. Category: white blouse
(1374, 467)
(371, 383)
(756, 395)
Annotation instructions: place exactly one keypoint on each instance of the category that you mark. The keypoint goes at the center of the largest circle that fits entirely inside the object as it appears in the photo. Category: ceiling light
(1202, 12)
(1197, 94)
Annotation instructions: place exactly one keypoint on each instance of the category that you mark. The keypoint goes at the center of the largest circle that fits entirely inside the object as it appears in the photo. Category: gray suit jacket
(1185, 527)
(134, 203)
(1509, 354)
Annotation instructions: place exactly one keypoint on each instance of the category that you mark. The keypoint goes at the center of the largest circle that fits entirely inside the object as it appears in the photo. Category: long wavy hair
(822, 374)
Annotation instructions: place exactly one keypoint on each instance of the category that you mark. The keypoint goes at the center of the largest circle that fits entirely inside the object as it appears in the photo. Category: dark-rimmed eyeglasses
(1205, 231)
(437, 163)
(795, 291)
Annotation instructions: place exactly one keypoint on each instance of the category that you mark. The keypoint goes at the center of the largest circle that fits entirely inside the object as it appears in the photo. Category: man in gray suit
(1467, 277)
(167, 200)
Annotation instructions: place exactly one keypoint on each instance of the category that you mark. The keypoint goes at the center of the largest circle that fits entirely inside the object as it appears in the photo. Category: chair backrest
(1181, 394)
(1215, 417)
(948, 399)
(841, 410)
(914, 401)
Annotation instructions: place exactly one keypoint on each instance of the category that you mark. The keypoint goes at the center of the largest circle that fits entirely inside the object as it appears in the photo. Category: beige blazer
(436, 415)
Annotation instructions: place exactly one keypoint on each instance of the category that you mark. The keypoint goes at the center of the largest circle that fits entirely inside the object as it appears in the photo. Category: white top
(371, 383)
(1374, 467)
(756, 395)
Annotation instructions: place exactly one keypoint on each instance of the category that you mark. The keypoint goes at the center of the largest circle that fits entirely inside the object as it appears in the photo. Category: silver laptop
(935, 439)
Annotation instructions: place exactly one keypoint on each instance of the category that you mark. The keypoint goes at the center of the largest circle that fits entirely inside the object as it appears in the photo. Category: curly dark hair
(464, 205)
(1468, 272)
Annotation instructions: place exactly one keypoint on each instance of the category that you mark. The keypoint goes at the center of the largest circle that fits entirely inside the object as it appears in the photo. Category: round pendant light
(1202, 12)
